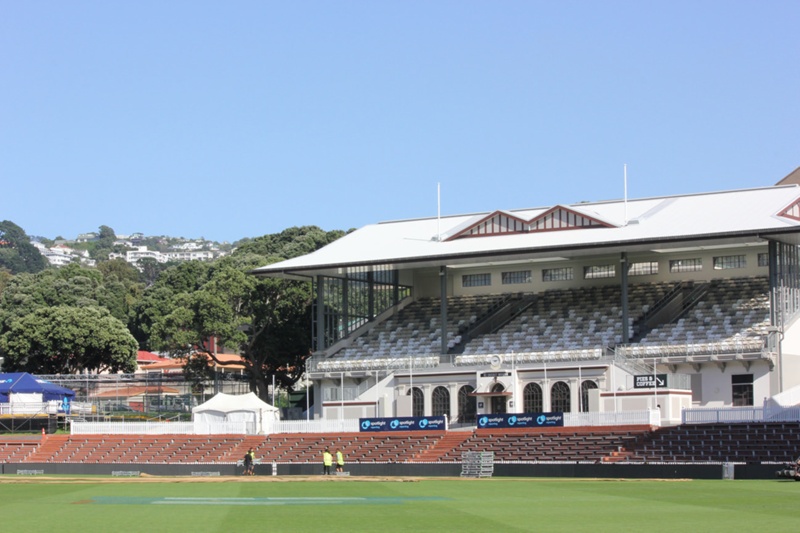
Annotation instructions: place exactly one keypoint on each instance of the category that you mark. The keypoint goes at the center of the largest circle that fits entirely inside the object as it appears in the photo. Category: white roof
(228, 403)
(739, 216)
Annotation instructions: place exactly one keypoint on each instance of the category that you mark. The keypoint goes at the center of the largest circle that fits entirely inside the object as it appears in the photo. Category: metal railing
(45, 408)
(213, 428)
(334, 365)
(732, 415)
(162, 428)
(347, 425)
(648, 417)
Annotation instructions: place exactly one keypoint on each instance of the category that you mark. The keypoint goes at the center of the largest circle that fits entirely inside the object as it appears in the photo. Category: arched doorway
(418, 401)
(467, 405)
(559, 398)
(586, 386)
(532, 398)
(498, 402)
(441, 402)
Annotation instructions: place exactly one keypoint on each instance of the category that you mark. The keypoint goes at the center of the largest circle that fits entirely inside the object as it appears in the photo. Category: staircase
(447, 443)
(622, 455)
(48, 446)
(237, 451)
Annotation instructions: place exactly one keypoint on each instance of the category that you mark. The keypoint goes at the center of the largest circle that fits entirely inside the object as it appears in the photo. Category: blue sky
(237, 119)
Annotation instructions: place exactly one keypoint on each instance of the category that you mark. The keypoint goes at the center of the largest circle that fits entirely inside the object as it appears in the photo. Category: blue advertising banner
(403, 423)
(521, 420)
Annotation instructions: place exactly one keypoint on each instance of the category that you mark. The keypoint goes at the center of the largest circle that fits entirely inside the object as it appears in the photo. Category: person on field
(339, 460)
(248, 462)
(327, 461)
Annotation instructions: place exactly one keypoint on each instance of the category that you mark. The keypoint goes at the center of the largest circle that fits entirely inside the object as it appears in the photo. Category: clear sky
(232, 119)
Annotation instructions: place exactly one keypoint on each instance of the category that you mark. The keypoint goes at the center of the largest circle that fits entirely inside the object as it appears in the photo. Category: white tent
(229, 413)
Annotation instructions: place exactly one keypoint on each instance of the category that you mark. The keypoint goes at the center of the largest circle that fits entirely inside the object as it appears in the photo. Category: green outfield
(494, 505)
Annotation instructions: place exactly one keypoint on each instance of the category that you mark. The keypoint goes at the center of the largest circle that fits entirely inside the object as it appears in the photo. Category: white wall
(426, 283)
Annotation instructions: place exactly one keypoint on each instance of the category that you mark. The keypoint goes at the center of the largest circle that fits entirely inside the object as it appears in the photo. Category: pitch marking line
(123, 500)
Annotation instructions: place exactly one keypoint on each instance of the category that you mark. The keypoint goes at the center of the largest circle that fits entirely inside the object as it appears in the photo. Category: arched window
(586, 386)
(498, 402)
(559, 398)
(441, 402)
(418, 401)
(467, 406)
(532, 398)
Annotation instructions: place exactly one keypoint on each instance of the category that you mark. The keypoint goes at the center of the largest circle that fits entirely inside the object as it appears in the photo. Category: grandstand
(564, 308)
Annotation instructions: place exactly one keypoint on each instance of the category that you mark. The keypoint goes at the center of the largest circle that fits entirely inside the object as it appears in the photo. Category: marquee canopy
(247, 408)
(23, 387)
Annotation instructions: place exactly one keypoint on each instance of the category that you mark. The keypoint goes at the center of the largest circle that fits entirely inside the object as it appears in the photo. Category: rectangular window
(685, 265)
(476, 280)
(763, 260)
(646, 268)
(742, 390)
(514, 278)
(558, 274)
(599, 272)
(730, 261)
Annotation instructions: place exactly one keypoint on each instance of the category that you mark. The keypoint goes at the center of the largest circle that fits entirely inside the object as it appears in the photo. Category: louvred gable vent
(557, 218)
(793, 211)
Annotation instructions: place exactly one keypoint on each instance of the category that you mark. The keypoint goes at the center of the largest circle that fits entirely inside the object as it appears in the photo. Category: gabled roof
(137, 390)
(504, 223)
(145, 357)
(726, 217)
(230, 362)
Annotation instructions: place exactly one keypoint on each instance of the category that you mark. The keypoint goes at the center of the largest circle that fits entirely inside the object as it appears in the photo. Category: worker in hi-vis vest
(339, 460)
(327, 461)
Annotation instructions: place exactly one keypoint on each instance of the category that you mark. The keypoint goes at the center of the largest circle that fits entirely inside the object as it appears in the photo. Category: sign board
(521, 420)
(403, 423)
(650, 381)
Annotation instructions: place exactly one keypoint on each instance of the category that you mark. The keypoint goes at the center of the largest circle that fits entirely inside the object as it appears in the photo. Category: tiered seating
(416, 329)
(357, 447)
(732, 310)
(413, 332)
(136, 449)
(751, 442)
(572, 445)
(293, 448)
(16, 450)
(570, 320)
(569, 324)
(771, 442)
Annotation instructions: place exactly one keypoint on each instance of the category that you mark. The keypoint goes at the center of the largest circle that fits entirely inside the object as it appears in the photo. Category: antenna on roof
(438, 211)
(625, 187)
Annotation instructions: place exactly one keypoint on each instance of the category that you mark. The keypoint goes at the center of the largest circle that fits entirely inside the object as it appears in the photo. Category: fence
(216, 428)
(732, 415)
(348, 425)
(649, 417)
(161, 428)
(44, 408)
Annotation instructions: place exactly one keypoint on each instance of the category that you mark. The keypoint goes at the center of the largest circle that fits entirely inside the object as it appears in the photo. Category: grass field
(92, 505)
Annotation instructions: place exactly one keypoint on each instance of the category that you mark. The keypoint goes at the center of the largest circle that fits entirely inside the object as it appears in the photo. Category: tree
(17, 254)
(267, 321)
(5, 277)
(120, 269)
(66, 340)
(150, 269)
(104, 244)
(72, 285)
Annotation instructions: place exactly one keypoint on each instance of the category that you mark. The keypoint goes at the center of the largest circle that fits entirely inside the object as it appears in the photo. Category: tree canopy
(17, 254)
(77, 318)
(266, 321)
(66, 340)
